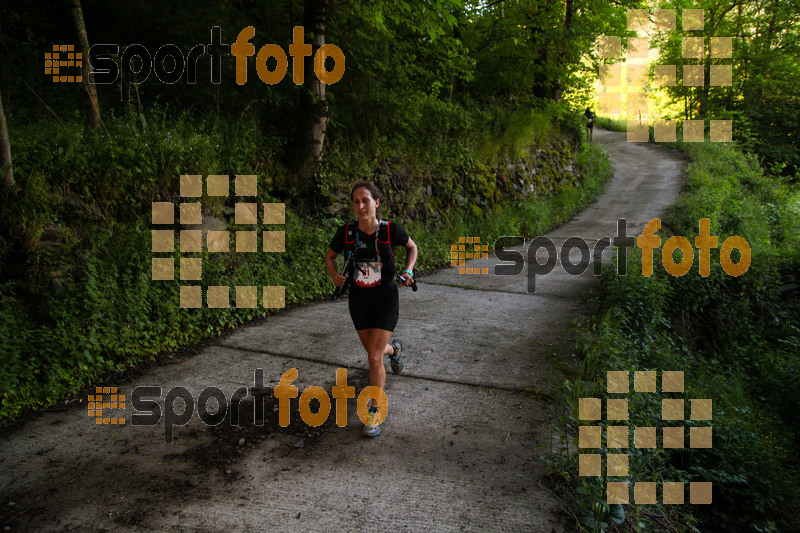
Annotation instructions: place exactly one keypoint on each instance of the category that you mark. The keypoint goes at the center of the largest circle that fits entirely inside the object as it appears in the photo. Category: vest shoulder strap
(351, 228)
(350, 233)
(383, 232)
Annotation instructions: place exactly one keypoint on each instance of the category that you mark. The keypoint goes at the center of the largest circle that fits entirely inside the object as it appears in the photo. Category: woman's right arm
(330, 264)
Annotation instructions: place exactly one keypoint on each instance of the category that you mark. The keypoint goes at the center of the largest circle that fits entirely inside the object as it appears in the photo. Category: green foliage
(527, 51)
(611, 124)
(526, 218)
(124, 168)
(106, 313)
(762, 99)
(430, 18)
(734, 338)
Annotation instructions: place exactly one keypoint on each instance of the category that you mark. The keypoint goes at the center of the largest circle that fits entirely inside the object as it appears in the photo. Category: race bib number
(367, 274)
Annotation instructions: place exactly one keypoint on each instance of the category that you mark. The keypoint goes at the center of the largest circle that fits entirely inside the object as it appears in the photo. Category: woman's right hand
(338, 279)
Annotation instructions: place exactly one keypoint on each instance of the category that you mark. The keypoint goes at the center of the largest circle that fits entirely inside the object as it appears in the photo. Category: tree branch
(44, 103)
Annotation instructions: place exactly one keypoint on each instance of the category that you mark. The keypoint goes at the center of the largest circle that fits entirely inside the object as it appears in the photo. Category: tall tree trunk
(90, 103)
(6, 171)
(457, 85)
(316, 17)
(704, 91)
(558, 83)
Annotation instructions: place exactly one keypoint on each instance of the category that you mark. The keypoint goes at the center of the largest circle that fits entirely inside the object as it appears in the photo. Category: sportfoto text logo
(169, 65)
(647, 242)
(148, 412)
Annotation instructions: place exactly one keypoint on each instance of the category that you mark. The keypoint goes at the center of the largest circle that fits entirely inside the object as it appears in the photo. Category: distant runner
(374, 303)
(590, 125)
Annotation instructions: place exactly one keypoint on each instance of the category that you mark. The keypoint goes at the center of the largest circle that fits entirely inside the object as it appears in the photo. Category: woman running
(373, 302)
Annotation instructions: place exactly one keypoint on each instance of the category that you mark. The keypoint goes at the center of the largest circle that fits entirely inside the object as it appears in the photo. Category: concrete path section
(468, 420)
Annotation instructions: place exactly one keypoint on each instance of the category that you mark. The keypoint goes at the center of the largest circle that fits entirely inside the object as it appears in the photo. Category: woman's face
(364, 204)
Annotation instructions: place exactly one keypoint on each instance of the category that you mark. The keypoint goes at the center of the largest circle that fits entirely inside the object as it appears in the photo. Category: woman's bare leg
(376, 343)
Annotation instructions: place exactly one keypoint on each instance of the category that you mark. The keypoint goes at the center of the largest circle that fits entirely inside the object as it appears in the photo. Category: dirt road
(468, 419)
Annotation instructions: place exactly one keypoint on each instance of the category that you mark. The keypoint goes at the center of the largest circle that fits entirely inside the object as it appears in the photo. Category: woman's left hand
(409, 281)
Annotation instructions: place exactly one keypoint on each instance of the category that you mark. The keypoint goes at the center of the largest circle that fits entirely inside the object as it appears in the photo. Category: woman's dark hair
(371, 187)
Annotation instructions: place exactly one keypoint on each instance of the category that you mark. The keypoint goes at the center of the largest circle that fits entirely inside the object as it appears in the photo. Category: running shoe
(371, 430)
(396, 360)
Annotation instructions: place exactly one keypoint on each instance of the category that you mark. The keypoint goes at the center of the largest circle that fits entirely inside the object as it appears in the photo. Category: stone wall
(542, 171)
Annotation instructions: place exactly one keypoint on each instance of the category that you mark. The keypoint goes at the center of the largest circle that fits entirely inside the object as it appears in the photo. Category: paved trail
(459, 451)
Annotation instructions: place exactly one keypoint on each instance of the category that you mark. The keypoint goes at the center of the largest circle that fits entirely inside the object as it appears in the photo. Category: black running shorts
(374, 308)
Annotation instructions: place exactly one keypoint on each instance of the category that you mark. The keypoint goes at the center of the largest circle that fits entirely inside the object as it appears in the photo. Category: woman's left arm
(411, 259)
